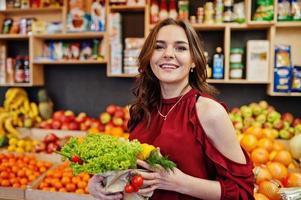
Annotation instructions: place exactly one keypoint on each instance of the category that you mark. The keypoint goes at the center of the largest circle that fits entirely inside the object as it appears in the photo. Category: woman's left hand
(160, 178)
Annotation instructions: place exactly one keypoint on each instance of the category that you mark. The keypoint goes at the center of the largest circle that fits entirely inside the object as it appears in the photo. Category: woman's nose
(169, 52)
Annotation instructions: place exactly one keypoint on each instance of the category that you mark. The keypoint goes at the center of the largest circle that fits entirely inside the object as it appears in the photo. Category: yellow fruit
(19, 150)
(11, 148)
(13, 141)
(21, 143)
(146, 150)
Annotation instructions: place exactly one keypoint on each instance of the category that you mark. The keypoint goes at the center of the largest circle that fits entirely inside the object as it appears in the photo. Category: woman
(173, 111)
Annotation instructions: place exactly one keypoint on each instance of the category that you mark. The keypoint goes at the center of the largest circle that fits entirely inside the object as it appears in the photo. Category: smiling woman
(174, 111)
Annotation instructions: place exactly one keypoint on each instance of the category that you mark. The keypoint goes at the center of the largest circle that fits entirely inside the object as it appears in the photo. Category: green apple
(256, 124)
(261, 118)
(285, 134)
(272, 116)
(246, 111)
(297, 129)
(105, 118)
(263, 104)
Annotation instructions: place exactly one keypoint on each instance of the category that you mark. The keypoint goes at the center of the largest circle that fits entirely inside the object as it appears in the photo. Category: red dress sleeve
(237, 180)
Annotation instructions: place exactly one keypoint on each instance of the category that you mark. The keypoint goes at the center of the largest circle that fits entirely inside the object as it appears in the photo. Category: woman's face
(171, 60)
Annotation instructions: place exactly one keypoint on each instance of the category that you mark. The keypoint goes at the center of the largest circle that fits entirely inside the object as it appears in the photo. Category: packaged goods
(257, 60)
(296, 82)
(218, 64)
(284, 10)
(264, 10)
(236, 55)
(236, 70)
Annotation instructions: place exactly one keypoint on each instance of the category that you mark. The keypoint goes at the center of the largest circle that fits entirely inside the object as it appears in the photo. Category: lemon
(21, 143)
(11, 148)
(19, 150)
(13, 141)
(146, 150)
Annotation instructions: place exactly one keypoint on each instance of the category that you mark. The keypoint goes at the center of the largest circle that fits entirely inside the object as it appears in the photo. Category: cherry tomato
(137, 181)
(129, 188)
(76, 159)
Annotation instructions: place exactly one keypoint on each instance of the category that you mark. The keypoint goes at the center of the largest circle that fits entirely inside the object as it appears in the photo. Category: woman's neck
(171, 91)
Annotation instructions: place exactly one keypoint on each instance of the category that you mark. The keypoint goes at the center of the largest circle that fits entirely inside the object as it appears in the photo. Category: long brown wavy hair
(147, 88)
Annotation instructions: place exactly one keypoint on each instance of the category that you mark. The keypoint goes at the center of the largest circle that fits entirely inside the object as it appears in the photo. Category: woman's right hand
(96, 189)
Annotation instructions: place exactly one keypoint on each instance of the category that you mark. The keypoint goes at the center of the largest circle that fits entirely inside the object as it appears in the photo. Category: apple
(272, 116)
(256, 124)
(263, 104)
(296, 122)
(286, 125)
(261, 118)
(51, 147)
(58, 115)
(68, 118)
(236, 110)
(285, 134)
(95, 123)
(297, 129)
(117, 121)
(80, 119)
(119, 113)
(56, 124)
(83, 127)
(256, 110)
(69, 113)
(288, 117)
(267, 125)
(50, 138)
(248, 121)
(101, 127)
(270, 109)
(238, 125)
(111, 109)
(73, 126)
(278, 124)
(65, 126)
(40, 147)
(105, 117)
(246, 111)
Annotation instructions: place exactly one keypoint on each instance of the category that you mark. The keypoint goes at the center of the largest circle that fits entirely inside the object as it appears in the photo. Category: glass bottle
(19, 70)
(218, 64)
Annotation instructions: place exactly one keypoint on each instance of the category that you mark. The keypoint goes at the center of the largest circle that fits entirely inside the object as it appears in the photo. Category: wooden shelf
(18, 85)
(120, 8)
(75, 35)
(208, 27)
(292, 94)
(235, 81)
(260, 24)
(68, 62)
(288, 24)
(31, 10)
(13, 37)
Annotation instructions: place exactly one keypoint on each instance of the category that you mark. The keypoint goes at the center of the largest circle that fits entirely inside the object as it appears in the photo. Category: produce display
(263, 115)
(61, 179)
(20, 170)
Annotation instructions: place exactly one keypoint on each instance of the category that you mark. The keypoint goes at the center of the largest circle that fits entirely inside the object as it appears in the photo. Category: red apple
(40, 147)
(56, 124)
(69, 113)
(104, 117)
(50, 138)
(296, 122)
(68, 118)
(111, 109)
(288, 117)
(101, 127)
(43, 124)
(278, 124)
(51, 147)
(65, 126)
(73, 126)
(83, 127)
(95, 123)
(58, 115)
(119, 113)
(81, 117)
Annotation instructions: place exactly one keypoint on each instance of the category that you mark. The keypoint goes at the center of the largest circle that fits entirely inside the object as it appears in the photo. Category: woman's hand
(160, 179)
(96, 189)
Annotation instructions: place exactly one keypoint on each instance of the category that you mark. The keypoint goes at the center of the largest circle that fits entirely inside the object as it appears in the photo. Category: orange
(272, 155)
(270, 189)
(266, 144)
(260, 156)
(259, 196)
(256, 131)
(248, 142)
(261, 174)
(268, 133)
(278, 170)
(283, 157)
(278, 146)
(117, 131)
(294, 179)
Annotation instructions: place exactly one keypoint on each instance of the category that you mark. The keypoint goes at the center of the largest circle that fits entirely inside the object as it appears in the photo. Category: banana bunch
(17, 111)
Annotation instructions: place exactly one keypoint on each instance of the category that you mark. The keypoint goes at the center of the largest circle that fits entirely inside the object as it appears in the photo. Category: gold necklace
(165, 116)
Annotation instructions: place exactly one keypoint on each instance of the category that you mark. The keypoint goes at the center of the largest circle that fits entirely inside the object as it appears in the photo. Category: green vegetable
(3, 141)
(155, 158)
(101, 153)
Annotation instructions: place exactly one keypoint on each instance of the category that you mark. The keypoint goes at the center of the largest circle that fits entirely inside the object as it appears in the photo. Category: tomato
(129, 188)
(137, 181)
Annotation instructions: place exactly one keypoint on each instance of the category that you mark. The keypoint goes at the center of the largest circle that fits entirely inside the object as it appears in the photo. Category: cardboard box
(258, 60)
(12, 193)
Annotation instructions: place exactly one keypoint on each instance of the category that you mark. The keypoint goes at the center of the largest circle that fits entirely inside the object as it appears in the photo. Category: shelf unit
(275, 32)
(36, 41)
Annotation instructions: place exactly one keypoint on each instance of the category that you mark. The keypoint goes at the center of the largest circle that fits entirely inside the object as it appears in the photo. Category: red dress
(183, 139)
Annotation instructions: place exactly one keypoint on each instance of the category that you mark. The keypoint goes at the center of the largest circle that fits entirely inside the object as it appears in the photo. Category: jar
(236, 70)
(236, 55)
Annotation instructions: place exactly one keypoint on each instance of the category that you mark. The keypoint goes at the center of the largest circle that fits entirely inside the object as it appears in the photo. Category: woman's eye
(181, 48)
(158, 47)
